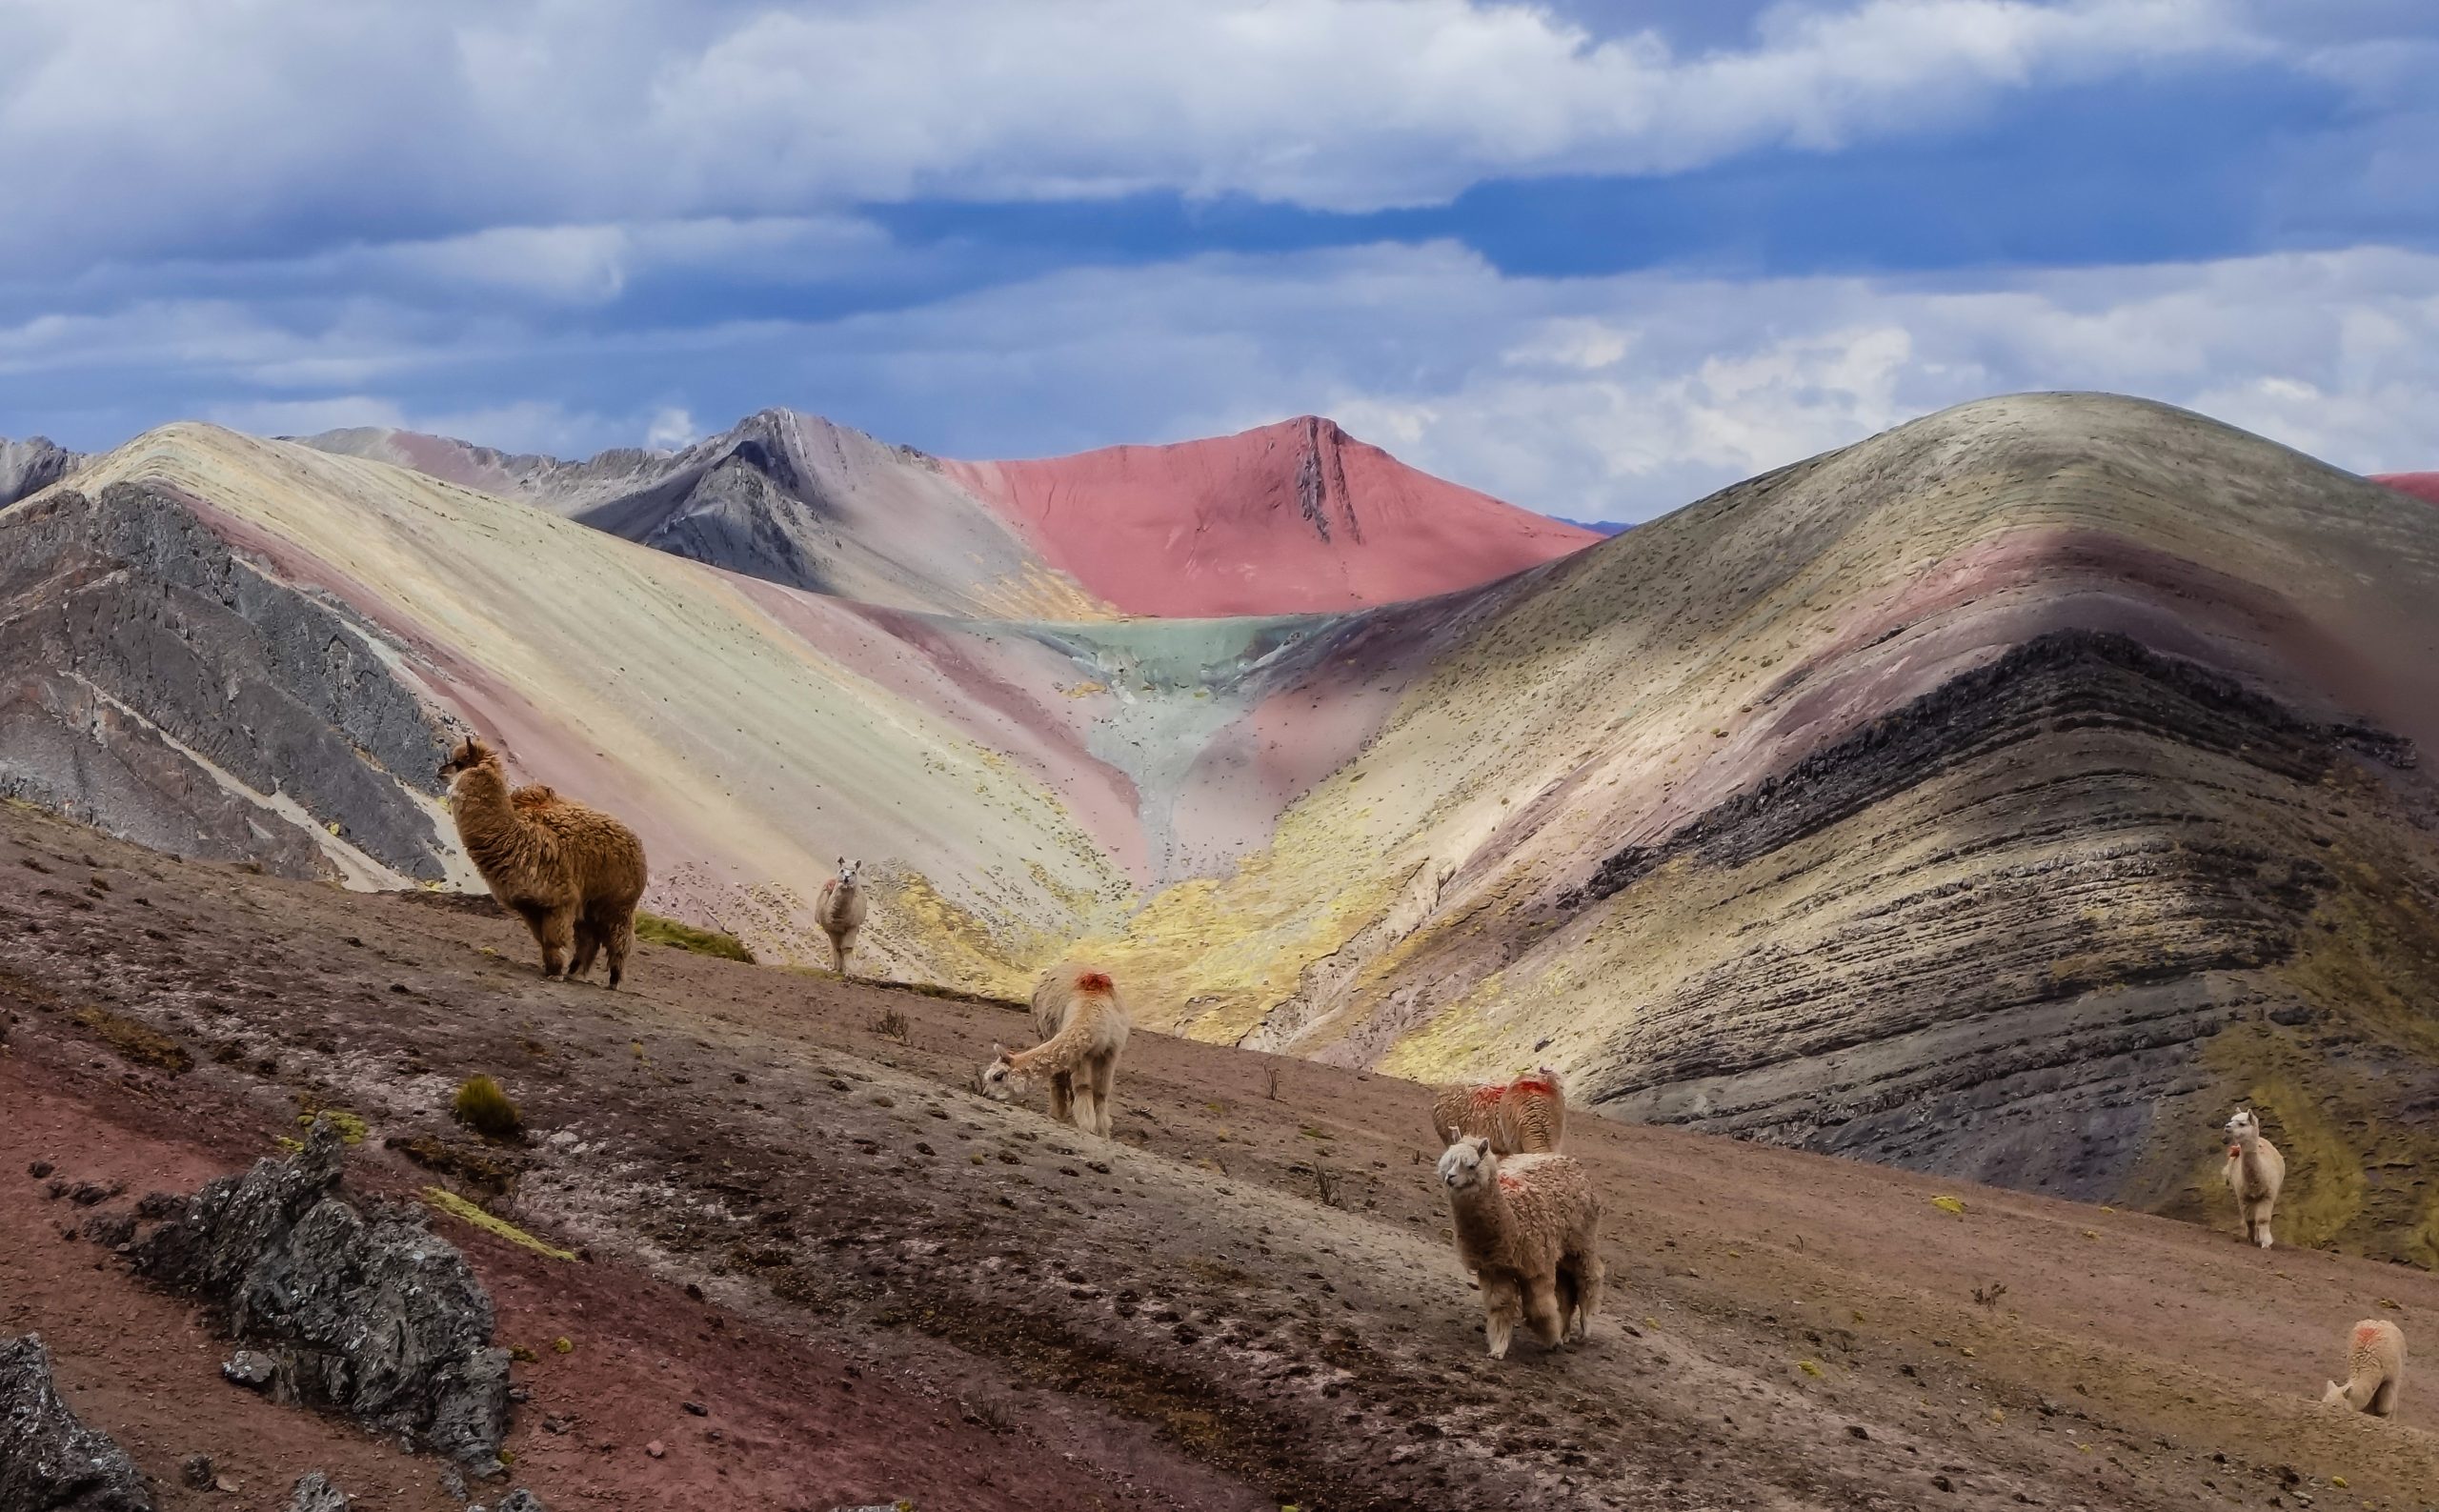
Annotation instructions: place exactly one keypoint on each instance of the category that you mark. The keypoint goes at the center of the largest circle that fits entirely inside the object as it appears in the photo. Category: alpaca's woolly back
(536, 849)
(2375, 1357)
(1523, 1117)
(1534, 1210)
(1076, 1011)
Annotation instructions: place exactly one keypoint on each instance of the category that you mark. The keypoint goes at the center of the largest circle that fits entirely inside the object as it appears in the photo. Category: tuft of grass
(1988, 1296)
(894, 1025)
(141, 1043)
(481, 1106)
(686, 936)
(350, 1127)
(464, 1212)
(1950, 1205)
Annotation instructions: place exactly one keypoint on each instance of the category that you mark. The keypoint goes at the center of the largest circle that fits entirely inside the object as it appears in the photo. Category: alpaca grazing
(574, 874)
(2374, 1368)
(1529, 1228)
(2255, 1172)
(1083, 1028)
(839, 911)
(1523, 1117)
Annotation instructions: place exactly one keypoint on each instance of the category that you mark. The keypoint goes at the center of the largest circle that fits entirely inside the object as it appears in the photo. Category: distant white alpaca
(2255, 1172)
(1529, 1229)
(2374, 1368)
(1523, 1117)
(839, 911)
(1084, 1030)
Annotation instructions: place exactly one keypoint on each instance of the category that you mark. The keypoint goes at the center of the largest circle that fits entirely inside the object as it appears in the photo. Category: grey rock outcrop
(179, 695)
(48, 1461)
(314, 1493)
(367, 1313)
(29, 467)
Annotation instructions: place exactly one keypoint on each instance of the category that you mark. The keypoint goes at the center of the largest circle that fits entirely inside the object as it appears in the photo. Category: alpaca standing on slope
(2255, 1172)
(574, 874)
(1529, 1228)
(2374, 1368)
(839, 911)
(1083, 1028)
(1523, 1117)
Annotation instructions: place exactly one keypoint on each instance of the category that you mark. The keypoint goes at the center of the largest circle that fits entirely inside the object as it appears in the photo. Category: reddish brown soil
(907, 1290)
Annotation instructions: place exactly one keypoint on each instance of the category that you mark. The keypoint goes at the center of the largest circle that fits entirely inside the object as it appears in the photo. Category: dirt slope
(907, 1290)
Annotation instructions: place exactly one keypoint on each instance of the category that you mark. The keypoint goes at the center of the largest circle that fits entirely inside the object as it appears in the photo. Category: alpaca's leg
(1541, 1308)
(1591, 1280)
(558, 937)
(1500, 1314)
(1062, 1096)
(588, 945)
(2383, 1401)
(1104, 1086)
(1087, 1111)
(619, 939)
(2261, 1226)
(837, 955)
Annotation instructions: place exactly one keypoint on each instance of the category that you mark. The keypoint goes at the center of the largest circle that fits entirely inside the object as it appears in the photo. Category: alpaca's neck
(1480, 1214)
(495, 835)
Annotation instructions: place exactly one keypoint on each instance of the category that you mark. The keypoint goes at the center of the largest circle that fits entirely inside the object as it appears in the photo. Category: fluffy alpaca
(2255, 1172)
(1523, 1117)
(1529, 1228)
(839, 911)
(1083, 1028)
(574, 874)
(2374, 1368)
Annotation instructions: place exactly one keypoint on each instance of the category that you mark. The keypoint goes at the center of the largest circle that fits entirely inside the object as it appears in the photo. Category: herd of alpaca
(1527, 1218)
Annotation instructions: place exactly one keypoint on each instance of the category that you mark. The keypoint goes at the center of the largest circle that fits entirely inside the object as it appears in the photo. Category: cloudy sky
(1595, 257)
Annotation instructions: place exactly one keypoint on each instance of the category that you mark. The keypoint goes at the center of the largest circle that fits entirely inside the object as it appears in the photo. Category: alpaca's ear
(1000, 1050)
(1480, 1145)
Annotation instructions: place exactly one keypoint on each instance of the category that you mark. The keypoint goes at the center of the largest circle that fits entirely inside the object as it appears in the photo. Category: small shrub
(481, 1106)
(894, 1025)
(1270, 1082)
(686, 936)
(1988, 1296)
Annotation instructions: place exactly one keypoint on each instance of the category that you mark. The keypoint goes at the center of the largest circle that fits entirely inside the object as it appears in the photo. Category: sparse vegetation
(457, 1207)
(141, 1043)
(1325, 1185)
(894, 1025)
(670, 932)
(484, 1107)
(1270, 1082)
(1988, 1296)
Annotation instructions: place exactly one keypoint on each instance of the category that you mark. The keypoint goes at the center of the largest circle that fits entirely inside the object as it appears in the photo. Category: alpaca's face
(2335, 1393)
(848, 870)
(469, 755)
(1467, 1163)
(1001, 1080)
(2243, 1124)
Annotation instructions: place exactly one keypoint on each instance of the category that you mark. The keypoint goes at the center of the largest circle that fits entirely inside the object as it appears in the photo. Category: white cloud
(156, 126)
(1612, 397)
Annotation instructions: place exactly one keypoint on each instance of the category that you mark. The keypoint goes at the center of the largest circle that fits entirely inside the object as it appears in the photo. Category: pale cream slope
(661, 690)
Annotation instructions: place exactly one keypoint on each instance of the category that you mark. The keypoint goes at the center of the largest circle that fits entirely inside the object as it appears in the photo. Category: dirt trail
(905, 1290)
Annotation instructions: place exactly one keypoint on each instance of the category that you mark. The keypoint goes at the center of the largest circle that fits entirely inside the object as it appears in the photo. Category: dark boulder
(48, 1461)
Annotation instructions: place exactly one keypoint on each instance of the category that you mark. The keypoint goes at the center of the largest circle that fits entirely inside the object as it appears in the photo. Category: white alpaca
(1529, 1229)
(2255, 1172)
(2374, 1368)
(1084, 1030)
(839, 911)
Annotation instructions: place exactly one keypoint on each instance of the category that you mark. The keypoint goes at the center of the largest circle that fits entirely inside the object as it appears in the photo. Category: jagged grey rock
(314, 1493)
(48, 1461)
(29, 467)
(521, 1501)
(249, 1369)
(366, 1312)
(160, 677)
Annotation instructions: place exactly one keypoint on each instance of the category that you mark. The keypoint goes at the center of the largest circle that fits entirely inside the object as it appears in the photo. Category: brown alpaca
(1083, 1029)
(840, 911)
(574, 874)
(1523, 1117)
(1529, 1229)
